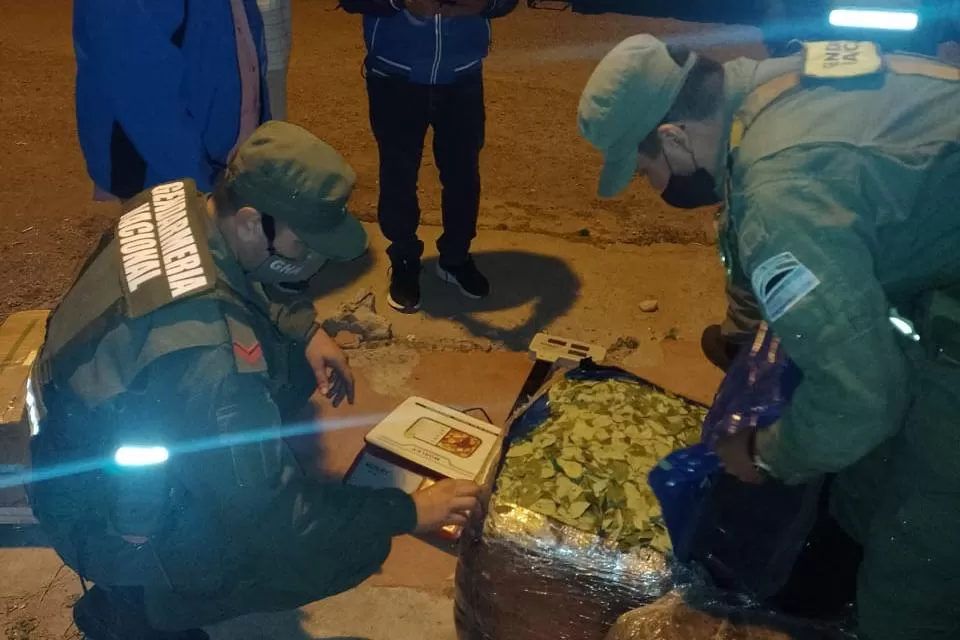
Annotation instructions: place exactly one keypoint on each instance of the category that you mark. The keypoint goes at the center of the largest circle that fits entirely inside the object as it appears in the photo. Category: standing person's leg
(277, 87)
(399, 117)
(278, 33)
(458, 118)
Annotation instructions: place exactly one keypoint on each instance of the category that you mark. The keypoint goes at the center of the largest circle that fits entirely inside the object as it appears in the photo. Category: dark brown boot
(718, 350)
(118, 614)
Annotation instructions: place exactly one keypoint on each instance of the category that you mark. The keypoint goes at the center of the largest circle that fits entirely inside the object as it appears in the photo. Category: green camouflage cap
(287, 173)
(627, 97)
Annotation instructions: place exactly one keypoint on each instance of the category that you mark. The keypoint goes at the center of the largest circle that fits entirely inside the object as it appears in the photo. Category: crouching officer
(156, 399)
(840, 169)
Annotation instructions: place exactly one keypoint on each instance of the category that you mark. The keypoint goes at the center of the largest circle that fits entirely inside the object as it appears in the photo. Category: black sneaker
(119, 615)
(404, 294)
(472, 283)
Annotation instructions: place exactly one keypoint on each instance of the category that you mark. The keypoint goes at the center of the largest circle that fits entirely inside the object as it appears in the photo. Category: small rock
(584, 233)
(348, 340)
(649, 306)
(501, 227)
(360, 317)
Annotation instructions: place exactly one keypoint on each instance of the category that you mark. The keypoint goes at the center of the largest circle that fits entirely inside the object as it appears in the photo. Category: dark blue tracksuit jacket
(430, 50)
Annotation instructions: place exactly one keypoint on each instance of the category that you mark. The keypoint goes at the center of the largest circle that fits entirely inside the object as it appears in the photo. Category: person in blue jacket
(424, 68)
(166, 89)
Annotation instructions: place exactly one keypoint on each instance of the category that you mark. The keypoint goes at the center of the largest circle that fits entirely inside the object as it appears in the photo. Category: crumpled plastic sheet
(527, 577)
(524, 576)
(748, 533)
(747, 537)
(755, 390)
(702, 614)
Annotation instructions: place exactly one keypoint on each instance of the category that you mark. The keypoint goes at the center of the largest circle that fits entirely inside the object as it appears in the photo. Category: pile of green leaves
(586, 466)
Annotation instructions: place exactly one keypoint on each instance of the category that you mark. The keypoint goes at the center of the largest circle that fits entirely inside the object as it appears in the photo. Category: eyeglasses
(269, 225)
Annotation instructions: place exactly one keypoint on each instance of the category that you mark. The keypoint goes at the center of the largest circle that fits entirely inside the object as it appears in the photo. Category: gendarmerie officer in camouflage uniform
(165, 369)
(840, 170)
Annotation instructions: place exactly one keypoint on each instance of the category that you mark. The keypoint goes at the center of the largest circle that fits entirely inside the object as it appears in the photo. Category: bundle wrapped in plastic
(573, 536)
(703, 615)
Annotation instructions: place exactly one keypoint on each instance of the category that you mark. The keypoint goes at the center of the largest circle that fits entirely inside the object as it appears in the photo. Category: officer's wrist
(312, 331)
(755, 455)
(402, 510)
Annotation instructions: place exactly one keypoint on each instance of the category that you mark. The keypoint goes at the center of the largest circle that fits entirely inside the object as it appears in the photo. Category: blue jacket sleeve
(141, 71)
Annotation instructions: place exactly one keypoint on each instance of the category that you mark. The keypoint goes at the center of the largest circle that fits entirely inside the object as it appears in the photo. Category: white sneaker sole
(396, 306)
(448, 277)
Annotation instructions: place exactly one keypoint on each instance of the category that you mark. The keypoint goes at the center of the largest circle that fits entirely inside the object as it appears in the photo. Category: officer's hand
(331, 367)
(463, 8)
(423, 8)
(734, 451)
(446, 502)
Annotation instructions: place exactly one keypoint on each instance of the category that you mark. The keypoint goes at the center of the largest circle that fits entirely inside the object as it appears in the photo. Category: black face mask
(689, 192)
(278, 269)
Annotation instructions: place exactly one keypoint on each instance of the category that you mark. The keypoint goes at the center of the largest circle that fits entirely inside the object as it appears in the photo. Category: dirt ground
(538, 174)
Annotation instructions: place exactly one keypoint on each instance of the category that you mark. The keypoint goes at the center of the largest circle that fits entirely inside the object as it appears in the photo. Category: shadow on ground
(517, 278)
(285, 625)
(337, 275)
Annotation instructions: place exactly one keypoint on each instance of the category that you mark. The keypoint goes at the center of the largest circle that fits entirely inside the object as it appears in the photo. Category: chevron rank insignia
(246, 348)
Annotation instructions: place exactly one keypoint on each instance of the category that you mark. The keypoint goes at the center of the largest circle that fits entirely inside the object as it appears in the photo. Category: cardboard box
(420, 443)
(21, 337)
(443, 440)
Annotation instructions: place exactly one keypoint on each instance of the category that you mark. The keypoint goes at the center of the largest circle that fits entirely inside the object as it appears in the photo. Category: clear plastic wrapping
(696, 614)
(526, 576)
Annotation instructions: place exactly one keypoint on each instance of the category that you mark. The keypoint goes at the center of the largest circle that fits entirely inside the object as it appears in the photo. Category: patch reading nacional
(841, 59)
(781, 282)
(163, 248)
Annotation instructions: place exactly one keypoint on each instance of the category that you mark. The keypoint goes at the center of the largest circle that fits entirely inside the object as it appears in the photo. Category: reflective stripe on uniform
(909, 65)
(764, 95)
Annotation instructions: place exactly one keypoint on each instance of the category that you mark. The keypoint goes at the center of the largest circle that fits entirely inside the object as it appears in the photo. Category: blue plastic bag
(747, 536)
(756, 389)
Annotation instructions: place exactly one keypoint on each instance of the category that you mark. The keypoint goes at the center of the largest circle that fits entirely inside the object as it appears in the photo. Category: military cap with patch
(287, 173)
(628, 95)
